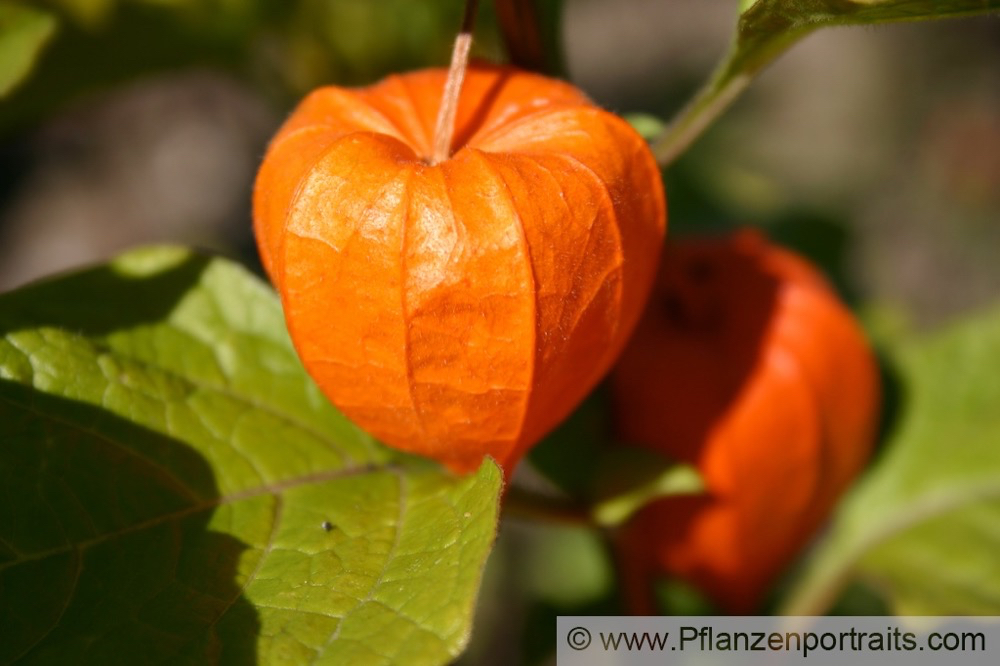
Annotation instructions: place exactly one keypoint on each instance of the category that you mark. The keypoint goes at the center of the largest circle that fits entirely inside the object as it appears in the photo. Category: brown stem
(444, 130)
(519, 26)
(537, 507)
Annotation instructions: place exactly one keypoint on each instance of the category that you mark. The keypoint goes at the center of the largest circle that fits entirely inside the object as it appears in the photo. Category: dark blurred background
(876, 151)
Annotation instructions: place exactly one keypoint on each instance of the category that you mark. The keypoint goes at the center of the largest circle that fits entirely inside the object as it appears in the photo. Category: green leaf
(631, 478)
(768, 28)
(567, 565)
(175, 489)
(924, 525)
(23, 33)
(648, 126)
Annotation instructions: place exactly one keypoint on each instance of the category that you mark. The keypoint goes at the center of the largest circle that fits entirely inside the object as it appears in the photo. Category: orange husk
(461, 309)
(746, 365)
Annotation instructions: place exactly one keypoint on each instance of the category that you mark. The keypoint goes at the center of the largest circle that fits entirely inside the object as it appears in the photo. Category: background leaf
(177, 491)
(23, 33)
(282, 49)
(768, 28)
(924, 525)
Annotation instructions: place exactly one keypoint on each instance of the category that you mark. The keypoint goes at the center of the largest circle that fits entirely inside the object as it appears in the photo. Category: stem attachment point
(444, 129)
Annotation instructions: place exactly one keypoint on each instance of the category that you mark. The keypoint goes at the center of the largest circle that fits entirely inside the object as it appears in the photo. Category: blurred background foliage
(875, 151)
(279, 48)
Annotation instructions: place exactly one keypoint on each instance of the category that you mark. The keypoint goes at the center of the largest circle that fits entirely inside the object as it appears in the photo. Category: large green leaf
(173, 488)
(924, 525)
(767, 28)
(23, 33)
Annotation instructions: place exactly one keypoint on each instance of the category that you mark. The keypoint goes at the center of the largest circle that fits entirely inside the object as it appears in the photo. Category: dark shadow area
(570, 455)
(893, 404)
(822, 239)
(15, 164)
(99, 300)
(692, 207)
(246, 253)
(105, 554)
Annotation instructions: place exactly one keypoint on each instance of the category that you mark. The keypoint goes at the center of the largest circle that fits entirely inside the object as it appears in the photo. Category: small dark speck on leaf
(327, 525)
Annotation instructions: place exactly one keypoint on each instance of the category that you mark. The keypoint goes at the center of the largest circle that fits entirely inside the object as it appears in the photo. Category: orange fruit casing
(461, 309)
(747, 366)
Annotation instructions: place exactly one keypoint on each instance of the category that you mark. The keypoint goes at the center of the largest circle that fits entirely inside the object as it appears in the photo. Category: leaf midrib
(273, 488)
(102, 347)
(926, 507)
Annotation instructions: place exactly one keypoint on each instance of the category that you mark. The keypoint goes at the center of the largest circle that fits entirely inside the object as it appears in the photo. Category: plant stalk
(536, 507)
(444, 129)
(733, 75)
(710, 103)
